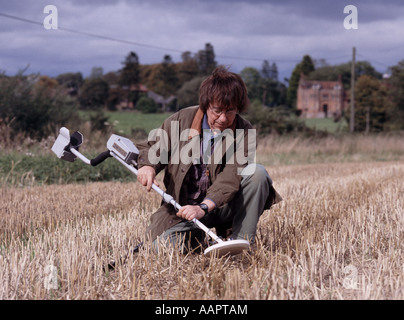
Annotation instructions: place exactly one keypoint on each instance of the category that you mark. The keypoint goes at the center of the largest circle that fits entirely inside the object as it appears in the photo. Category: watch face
(204, 207)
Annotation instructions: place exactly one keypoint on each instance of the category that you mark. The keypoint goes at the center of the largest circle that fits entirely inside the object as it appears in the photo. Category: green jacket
(225, 179)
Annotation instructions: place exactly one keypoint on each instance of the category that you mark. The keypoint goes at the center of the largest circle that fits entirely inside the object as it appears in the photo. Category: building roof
(307, 84)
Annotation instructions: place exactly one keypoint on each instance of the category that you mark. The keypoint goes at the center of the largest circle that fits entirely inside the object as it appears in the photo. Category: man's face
(219, 118)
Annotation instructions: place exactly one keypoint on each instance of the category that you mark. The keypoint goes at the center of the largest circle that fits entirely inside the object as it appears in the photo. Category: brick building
(320, 99)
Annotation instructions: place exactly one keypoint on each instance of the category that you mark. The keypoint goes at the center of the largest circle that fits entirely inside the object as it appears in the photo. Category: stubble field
(337, 235)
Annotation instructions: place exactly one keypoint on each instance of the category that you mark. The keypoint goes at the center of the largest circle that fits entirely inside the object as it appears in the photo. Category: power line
(109, 38)
(20, 19)
(374, 61)
(93, 35)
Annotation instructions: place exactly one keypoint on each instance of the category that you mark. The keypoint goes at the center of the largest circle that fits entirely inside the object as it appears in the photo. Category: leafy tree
(98, 121)
(331, 73)
(261, 86)
(111, 77)
(276, 120)
(396, 92)
(35, 106)
(187, 69)
(94, 94)
(266, 80)
(266, 70)
(114, 98)
(188, 94)
(129, 76)
(148, 74)
(47, 84)
(274, 93)
(146, 105)
(71, 81)
(166, 78)
(269, 71)
(274, 74)
(186, 56)
(371, 105)
(252, 79)
(272, 90)
(307, 65)
(96, 73)
(206, 60)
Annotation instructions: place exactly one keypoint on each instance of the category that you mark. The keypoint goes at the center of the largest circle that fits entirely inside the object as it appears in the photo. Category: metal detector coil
(65, 143)
(231, 247)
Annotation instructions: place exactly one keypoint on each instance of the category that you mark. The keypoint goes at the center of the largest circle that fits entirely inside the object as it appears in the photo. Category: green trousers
(239, 217)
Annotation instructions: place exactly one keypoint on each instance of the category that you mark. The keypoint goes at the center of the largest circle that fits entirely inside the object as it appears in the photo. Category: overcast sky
(243, 33)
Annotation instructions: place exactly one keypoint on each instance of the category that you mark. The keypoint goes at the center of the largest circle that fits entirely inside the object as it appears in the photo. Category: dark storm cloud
(370, 10)
(280, 31)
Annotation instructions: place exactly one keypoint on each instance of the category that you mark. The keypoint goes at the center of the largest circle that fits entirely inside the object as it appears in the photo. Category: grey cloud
(280, 31)
(369, 10)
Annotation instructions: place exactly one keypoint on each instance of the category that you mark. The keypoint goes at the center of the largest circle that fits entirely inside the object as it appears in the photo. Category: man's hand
(147, 176)
(191, 212)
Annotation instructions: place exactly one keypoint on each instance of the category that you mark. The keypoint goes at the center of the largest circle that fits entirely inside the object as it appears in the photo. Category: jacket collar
(196, 126)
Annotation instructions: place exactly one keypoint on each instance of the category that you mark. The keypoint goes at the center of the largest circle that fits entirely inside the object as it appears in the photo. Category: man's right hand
(147, 176)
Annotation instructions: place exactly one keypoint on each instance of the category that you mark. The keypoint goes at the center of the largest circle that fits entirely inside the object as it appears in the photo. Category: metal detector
(66, 147)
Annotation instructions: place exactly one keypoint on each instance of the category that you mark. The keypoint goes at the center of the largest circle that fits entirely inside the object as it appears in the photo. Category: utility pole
(352, 118)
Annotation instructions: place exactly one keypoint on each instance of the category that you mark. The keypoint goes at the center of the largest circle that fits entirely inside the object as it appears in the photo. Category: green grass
(327, 124)
(38, 166)
(20, 170)
(124, 122)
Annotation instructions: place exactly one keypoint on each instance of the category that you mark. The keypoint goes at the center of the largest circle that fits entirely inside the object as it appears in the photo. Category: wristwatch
(204, 207)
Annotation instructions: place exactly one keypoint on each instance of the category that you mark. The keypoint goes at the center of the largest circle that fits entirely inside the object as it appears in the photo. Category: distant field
(124, 122)
(327, 124)
(34, 164)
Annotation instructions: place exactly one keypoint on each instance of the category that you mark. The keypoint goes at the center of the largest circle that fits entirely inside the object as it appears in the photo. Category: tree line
(166, 79)
(36, 104)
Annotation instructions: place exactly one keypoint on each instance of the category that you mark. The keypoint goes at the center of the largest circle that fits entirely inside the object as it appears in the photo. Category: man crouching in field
(210, 176)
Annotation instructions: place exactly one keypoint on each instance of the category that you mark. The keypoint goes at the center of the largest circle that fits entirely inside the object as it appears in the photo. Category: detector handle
(169, 199)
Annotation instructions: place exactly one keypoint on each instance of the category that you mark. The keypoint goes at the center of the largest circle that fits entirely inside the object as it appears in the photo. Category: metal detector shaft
(80, 156)
(66, 148)
(169, 199)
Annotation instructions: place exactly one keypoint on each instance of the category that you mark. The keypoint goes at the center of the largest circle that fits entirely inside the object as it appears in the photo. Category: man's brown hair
(224, 88)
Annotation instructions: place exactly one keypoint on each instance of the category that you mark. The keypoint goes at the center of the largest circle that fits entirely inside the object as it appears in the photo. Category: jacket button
(182, 170)
(170, 222)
